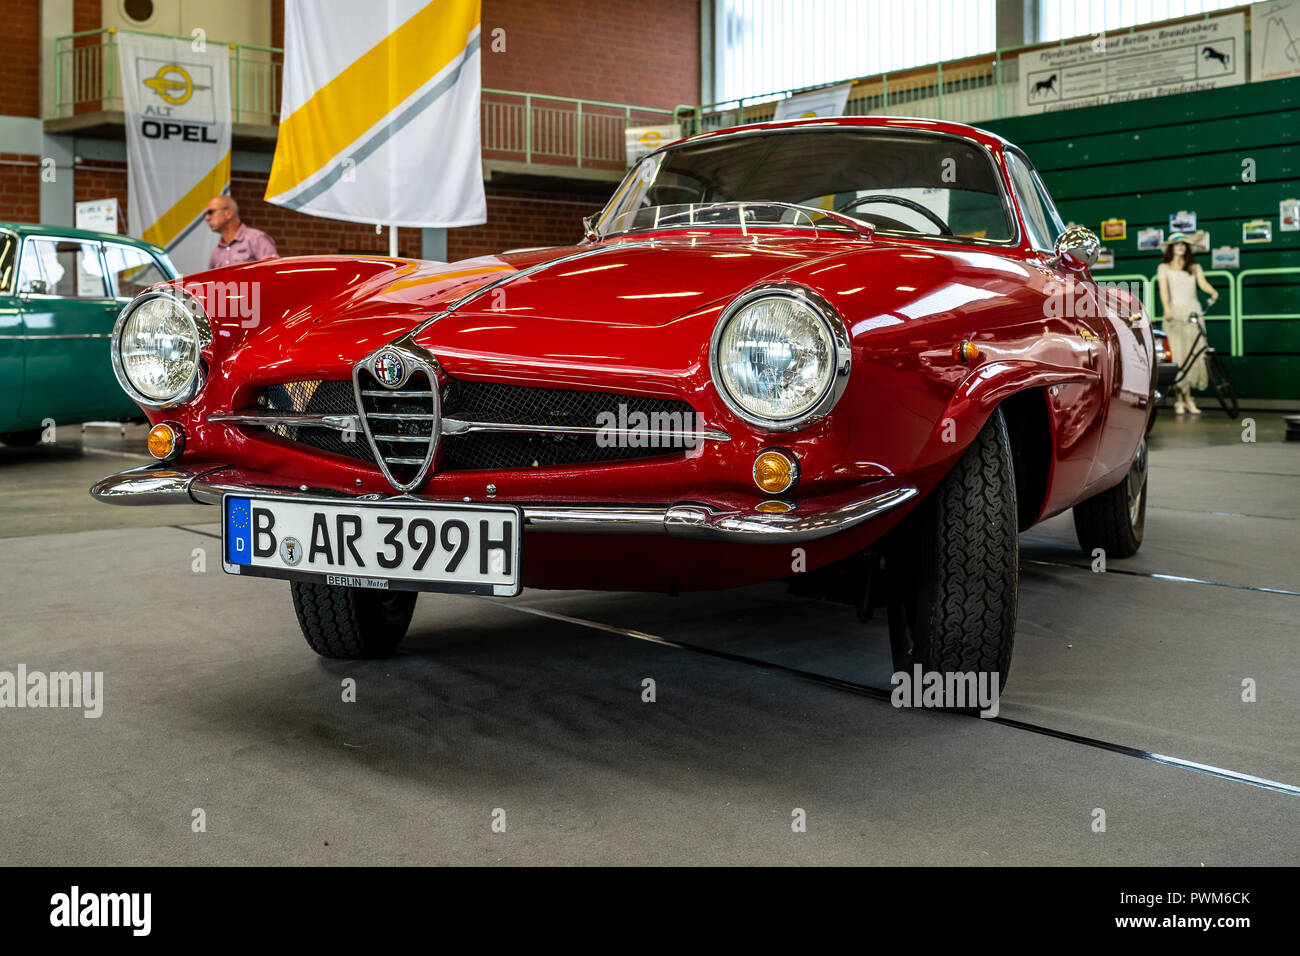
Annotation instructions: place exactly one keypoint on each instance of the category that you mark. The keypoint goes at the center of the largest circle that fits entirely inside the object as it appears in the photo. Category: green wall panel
(1144, 160)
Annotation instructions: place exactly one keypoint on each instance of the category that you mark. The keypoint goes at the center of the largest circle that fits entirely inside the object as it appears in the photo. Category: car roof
(911, 123)
(67, 232)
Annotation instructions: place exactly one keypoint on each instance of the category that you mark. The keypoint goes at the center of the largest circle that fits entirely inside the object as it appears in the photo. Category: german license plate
(416, 546)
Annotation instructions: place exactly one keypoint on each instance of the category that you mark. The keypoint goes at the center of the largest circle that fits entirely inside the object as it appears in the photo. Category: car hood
(616, 304)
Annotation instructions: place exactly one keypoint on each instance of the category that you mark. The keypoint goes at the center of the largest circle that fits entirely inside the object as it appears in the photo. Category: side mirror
(37, 287)
(589, 227)
(1077, 248)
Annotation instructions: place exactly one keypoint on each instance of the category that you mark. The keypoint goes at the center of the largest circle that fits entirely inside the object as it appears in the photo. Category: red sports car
(861, 354)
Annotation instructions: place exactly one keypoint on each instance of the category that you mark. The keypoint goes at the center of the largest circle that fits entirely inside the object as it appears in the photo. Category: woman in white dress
(1179, 276)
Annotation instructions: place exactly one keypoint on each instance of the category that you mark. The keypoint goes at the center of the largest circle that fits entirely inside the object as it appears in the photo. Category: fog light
(166, 441)
(775, 471)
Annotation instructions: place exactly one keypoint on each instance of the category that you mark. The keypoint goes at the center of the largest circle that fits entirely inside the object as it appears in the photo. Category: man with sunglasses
(237, 242)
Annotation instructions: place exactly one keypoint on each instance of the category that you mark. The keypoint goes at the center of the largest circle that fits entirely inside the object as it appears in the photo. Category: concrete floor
(532, 706)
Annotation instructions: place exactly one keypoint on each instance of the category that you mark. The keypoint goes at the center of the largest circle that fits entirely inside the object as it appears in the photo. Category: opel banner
(177, 104)
(380, 112)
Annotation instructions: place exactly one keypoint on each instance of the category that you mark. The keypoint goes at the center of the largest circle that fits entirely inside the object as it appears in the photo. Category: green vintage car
(60, 292)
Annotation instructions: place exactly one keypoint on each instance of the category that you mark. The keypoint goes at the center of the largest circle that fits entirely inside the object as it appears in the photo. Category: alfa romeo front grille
(316, 398)
(409, 430)
(550, 408)
(401, 423)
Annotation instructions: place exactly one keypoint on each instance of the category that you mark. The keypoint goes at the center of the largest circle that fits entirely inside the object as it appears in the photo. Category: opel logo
(173, 84)
(389, 369)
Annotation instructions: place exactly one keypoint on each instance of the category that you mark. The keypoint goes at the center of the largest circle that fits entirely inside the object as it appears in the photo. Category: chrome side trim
(339, 423)
(669, 438)
(47, 338)
(595, 519)
(149, 485)
(698, 521)
(156, 485)
(454, 426)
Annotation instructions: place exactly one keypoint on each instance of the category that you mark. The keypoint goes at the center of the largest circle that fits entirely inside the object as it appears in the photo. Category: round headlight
(156, 349)
(779, 357)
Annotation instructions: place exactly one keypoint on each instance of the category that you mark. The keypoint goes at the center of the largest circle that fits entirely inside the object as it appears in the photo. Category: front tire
(23, 439)
(1115, 519)
(352, 623)
(955, 568)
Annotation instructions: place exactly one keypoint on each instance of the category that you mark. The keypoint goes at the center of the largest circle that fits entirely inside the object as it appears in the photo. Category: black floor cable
(880, 694)
(1161, 577)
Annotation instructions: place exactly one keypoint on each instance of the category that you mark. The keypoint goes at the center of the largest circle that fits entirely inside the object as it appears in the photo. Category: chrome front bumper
(161, 484)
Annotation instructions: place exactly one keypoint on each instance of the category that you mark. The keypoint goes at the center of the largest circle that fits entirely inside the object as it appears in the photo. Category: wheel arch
(1020, 389)
(1029, 429)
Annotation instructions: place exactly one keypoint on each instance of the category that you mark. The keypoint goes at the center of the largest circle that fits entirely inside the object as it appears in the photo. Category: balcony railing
(972, 90)
(87, 77)
(534, 128)
(529, 128)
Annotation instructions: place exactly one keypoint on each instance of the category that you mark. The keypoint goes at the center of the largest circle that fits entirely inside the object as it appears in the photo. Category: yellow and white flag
(380, 112)
(177, 105)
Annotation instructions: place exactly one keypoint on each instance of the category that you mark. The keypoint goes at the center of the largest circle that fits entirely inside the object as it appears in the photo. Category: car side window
(8, 259)
(1042, 220)
(29, 268)
(71, 268)
(131, 270)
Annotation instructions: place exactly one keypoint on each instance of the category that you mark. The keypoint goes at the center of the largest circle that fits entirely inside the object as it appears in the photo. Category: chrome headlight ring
(198, 318)
(841, 355)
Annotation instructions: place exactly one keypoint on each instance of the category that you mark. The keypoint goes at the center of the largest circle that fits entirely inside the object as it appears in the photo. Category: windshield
(900, 182)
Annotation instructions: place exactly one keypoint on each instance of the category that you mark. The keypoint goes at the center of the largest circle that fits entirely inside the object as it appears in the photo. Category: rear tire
(954, 570)
(352, 623)
(1114, 520)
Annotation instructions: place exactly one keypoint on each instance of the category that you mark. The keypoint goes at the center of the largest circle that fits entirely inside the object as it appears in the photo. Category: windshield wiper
(859, 226)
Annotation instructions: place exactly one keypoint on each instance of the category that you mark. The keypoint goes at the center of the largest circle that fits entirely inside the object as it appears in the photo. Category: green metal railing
(548, 129)
(1149, 299)
(531, 127)
(87, 77)
(1242, 316)
(973, 89)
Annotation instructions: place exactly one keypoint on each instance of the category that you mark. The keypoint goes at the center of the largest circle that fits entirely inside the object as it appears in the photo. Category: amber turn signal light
(775, 471)
(965, 351)
(166, 441)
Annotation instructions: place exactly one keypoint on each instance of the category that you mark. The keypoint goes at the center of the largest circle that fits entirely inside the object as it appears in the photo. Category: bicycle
(1215, 370)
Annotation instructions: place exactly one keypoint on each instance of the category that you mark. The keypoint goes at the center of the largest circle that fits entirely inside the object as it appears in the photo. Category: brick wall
(101, 180)
(515, 219)
(296, 234)
(654, 62)
(621, 51)
(20, 187)
(20, 58)
(520, 219)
